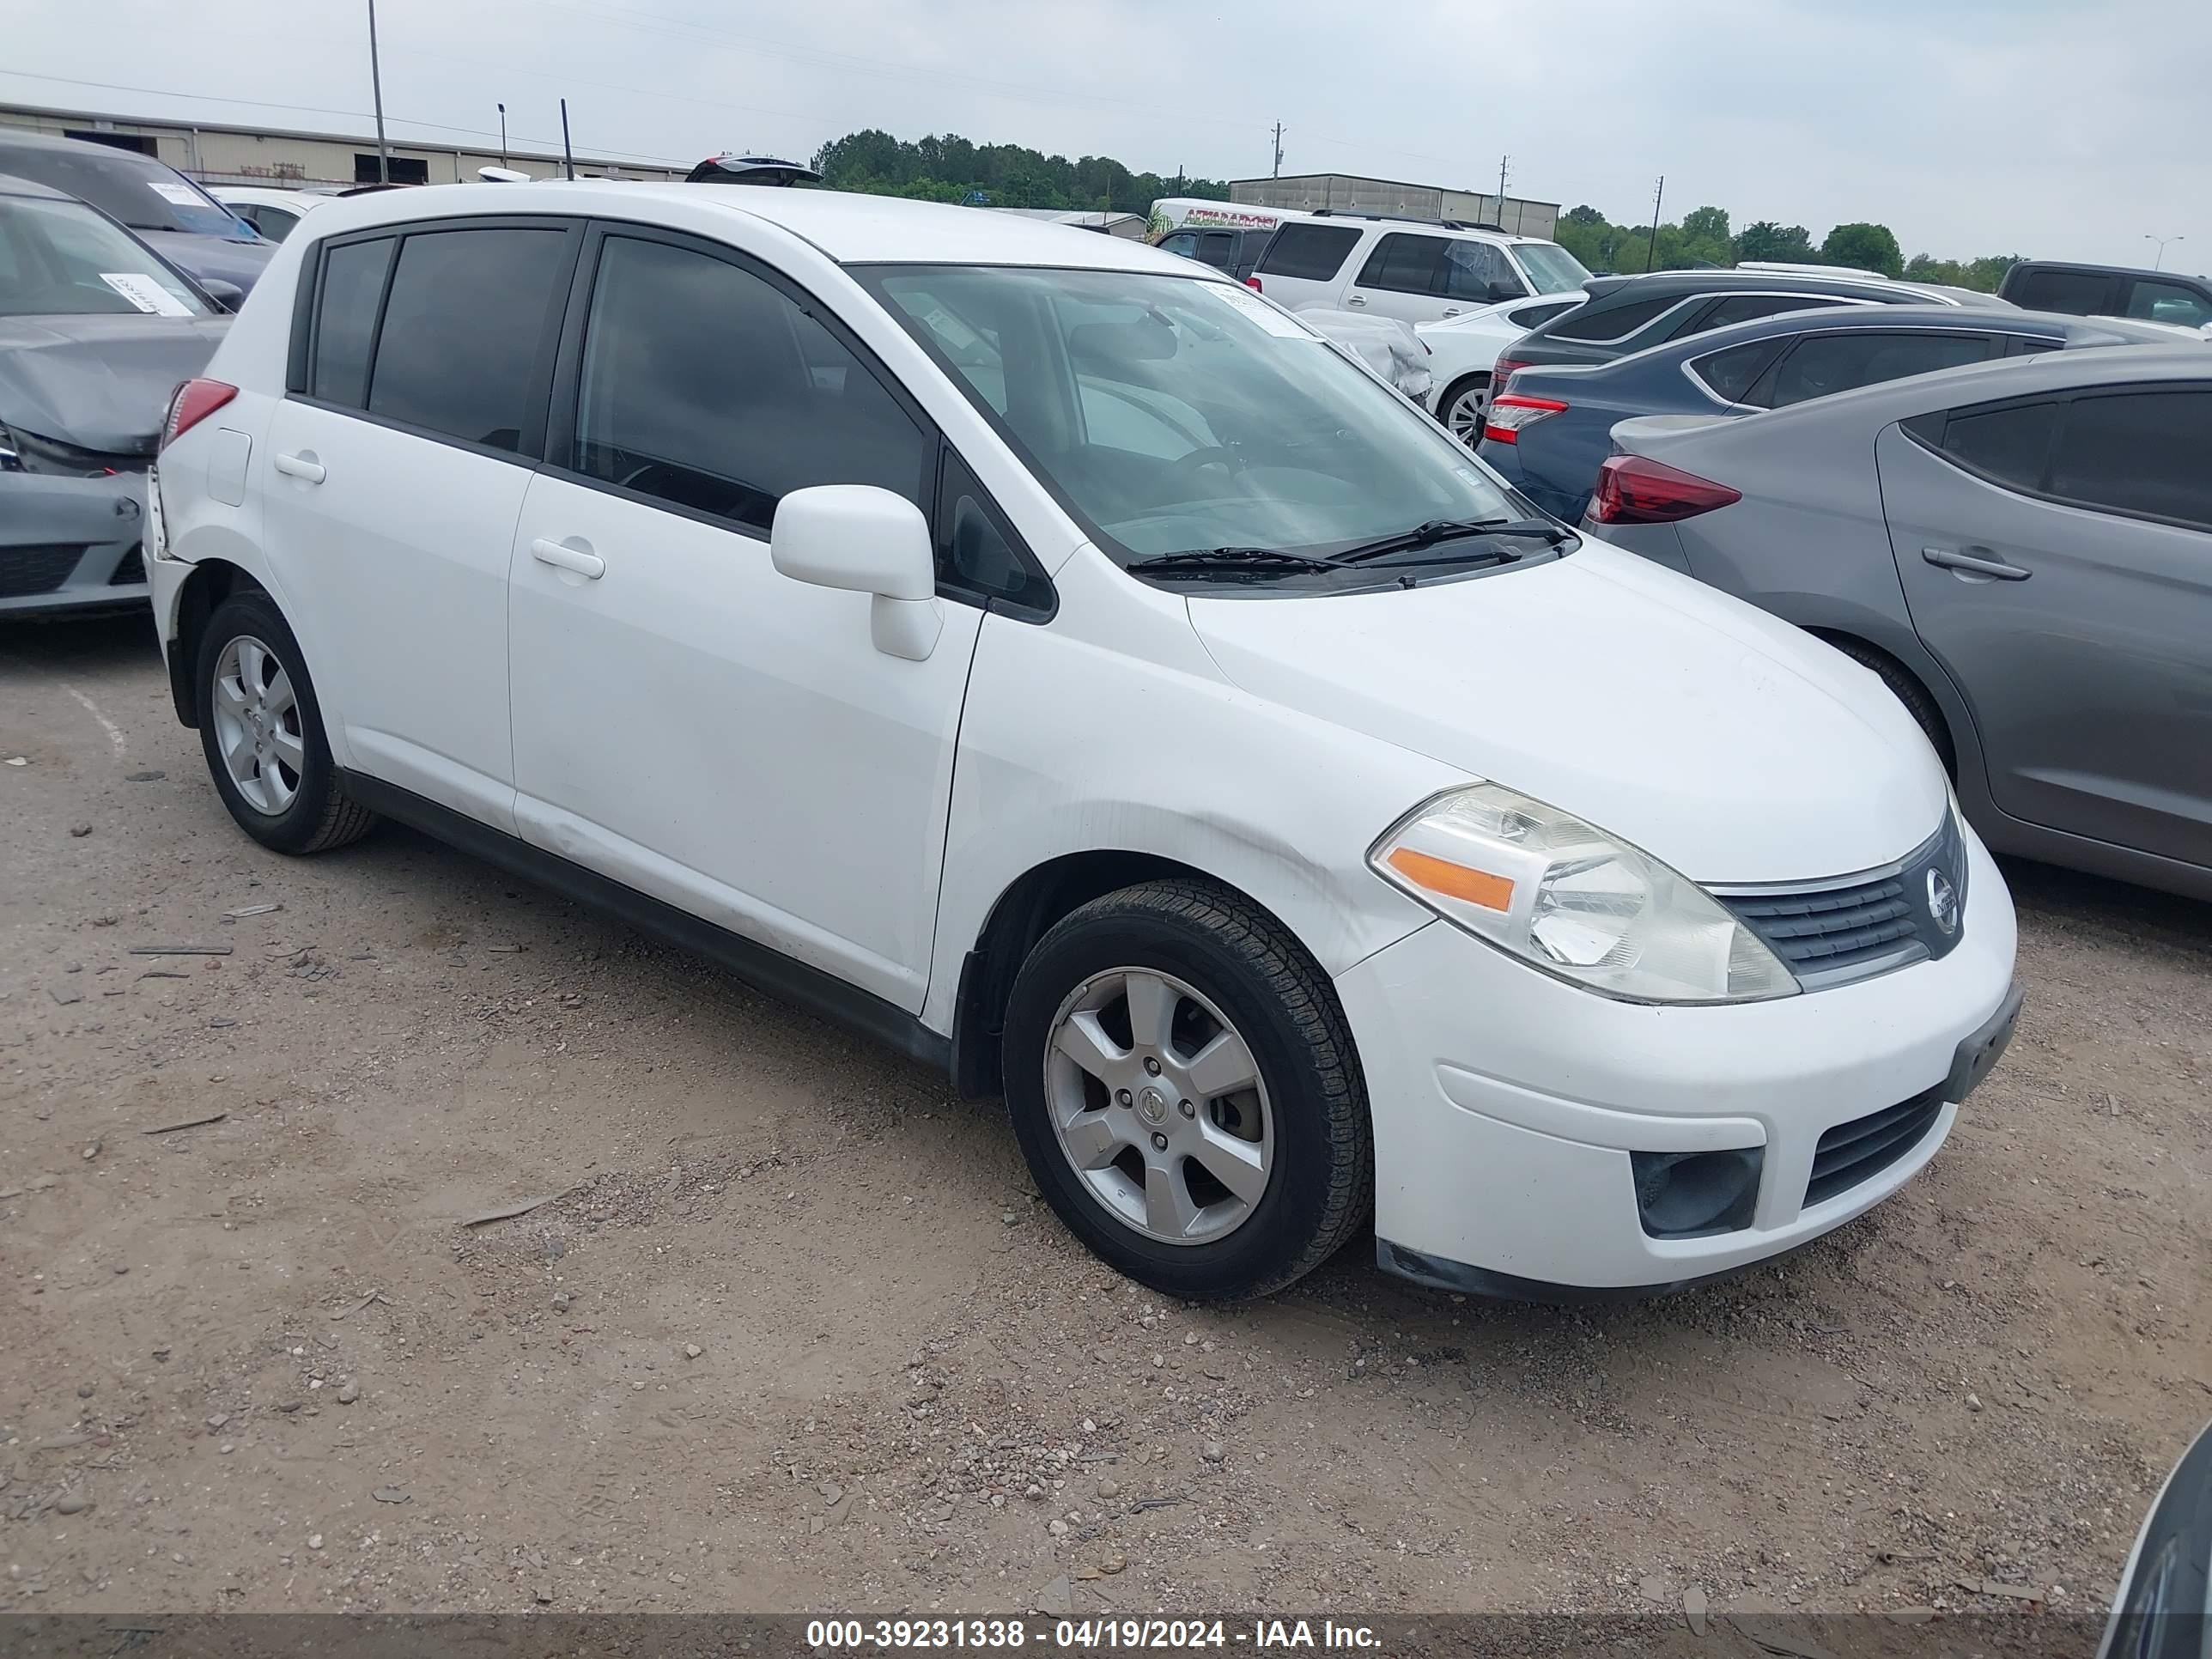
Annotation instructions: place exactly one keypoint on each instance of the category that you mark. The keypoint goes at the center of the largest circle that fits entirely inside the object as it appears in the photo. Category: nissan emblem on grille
(1942, 903)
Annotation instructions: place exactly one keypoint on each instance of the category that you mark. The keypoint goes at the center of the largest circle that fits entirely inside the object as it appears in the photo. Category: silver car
(2022, 551)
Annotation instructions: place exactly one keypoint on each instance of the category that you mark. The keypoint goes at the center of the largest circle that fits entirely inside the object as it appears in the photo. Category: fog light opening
(1695, 1195)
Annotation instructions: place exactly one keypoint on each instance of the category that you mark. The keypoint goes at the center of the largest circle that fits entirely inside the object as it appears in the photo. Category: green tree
(1865, 247)
(1766, 239)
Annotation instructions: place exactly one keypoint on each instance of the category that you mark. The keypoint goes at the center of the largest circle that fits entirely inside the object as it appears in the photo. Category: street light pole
(376, 90)
(503, 135)
(2159, 263)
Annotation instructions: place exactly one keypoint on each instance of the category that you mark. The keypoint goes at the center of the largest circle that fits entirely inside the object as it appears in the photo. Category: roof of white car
(849, 228)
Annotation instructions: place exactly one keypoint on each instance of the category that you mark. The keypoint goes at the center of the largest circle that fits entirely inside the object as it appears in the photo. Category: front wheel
(1464, 406)
(1184, 1085)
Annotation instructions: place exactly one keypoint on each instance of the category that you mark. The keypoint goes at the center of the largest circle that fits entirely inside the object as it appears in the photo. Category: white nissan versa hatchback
(1051, 657)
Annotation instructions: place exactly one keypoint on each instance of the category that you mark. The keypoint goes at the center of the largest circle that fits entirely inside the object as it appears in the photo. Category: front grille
(131, 569)
(1862, 1149)
(39, 567)
(1865, 924)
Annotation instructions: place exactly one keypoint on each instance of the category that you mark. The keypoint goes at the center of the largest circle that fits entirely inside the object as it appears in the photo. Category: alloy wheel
(1465, 416)
(257, 726)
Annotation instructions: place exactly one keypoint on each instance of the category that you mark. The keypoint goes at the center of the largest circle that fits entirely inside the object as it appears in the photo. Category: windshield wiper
(1234, 561)
(1445, 530)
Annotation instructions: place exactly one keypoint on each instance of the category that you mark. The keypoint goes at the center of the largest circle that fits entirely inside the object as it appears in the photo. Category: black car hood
(101, 382)
(223, 258)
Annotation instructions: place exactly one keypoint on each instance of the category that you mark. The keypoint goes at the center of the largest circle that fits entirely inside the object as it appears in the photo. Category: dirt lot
(797, 1334)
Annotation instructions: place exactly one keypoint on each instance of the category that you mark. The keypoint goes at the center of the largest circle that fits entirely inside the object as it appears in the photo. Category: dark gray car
(95, 333)
(2022, 550)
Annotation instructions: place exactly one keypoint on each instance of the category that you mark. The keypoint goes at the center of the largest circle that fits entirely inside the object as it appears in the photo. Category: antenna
(1651, 248)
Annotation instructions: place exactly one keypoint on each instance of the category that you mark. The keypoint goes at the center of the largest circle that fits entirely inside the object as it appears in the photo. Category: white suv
(1052, 658)
(1410, 269)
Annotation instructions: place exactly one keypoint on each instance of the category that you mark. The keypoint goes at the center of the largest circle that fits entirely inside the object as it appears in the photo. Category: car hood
(225, 258)
(1726, 744)
(101, 383)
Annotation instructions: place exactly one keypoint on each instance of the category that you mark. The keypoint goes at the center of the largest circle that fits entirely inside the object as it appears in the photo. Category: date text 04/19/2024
(1084, 1635)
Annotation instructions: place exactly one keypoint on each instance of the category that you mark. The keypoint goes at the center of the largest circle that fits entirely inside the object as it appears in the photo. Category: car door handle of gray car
(1968, 564)
(304, 467)
(559, 554)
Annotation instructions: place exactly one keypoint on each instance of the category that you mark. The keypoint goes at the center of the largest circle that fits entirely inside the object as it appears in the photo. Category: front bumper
(69, 543)
(1507, 1104)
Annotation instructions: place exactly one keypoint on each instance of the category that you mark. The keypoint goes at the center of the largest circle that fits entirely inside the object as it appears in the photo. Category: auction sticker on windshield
(142, 291)
(1242, 299)
(182, 195)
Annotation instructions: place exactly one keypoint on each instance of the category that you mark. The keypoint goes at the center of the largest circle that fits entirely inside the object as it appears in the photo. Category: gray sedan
(96, 330)
(2021, 549)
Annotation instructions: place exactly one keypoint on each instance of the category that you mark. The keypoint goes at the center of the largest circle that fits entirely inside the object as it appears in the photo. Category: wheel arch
(1958, 727)
(212, 580)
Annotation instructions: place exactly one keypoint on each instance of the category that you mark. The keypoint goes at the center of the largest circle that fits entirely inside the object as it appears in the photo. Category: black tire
(1453, 394)
(1906, 688)
(1322, 1188)
(319, 816)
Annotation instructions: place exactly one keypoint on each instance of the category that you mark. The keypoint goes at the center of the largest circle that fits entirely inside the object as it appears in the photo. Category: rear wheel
(261, 729)
(1462, 408)
(1905, 686)
(1183, 1083)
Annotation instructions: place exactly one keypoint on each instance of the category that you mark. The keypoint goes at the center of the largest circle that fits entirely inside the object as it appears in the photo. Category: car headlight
(1575, 901)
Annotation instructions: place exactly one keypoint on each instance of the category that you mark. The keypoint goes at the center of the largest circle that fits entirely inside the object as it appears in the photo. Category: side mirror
(865, 540)
(227, 294)
(2161, 1607)
(1501, 292)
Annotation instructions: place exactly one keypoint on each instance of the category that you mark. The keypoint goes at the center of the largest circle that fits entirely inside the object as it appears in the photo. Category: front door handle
(559, 555)
(303, 466)
(1354, 301)
(1966, 564)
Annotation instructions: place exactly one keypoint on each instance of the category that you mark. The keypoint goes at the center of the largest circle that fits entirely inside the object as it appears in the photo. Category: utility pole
(567, 155)
(503, 135)
(376, 91)
(1502, 160)
(2159, 263)
(1278, 172)
(1651, 248)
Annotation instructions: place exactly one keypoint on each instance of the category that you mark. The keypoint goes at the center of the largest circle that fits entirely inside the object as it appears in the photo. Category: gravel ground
(790, 1329)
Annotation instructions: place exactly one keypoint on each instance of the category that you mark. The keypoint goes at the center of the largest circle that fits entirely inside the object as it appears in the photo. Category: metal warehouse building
(217, 155)
(1344, 192)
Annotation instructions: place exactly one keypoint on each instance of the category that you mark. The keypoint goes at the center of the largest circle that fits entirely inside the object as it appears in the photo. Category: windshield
(61, 258)
(1177, 415)
(1549, 266)
(136, 189)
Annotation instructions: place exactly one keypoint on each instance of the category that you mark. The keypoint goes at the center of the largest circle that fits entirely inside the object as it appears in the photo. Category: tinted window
(136, 189)
(2168, 302)
(1184, 242)
(353, 283)
(2008, 445)
(1744, 307)
(1217, 248)
(705, 385)
(976, 551)
(1599, 321)
(274, 222)
(1537, 316)
(1730, 373)
(1406, 264)
(1479, 271)
(401, 170)
(2081, 293)
(1822, 365)
(464, 329)
(1312, 253)
(2138, 451)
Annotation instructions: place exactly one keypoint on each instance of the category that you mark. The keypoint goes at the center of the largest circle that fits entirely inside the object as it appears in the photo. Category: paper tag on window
(1274, 321)
(142, 291)
(182, 195)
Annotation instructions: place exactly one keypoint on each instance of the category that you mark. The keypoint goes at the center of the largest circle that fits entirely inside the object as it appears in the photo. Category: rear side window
(1822, 365)
(1601, 322)
(1313, 253)
(1745, 307)
(465, 332)
(2008, 444)
(1537, 316)
(2139, 451)
(1406, 264)
(345, 326)
(1219, 248)
(2080, 293)
(705, 386)
(1730, 373)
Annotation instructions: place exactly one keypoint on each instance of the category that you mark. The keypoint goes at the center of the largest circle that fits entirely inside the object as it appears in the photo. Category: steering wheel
(1209, 455)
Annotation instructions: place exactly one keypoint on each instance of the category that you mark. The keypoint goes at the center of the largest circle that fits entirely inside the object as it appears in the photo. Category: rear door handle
(1968, 564)
(1354, 299)
(1451, 310)
(304, 467)
(564, 558)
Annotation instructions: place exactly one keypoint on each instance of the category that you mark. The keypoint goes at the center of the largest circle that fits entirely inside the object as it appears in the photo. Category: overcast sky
(2058, 128)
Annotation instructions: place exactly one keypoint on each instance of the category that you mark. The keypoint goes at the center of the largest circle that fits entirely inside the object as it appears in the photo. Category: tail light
(195, 401)
(1253, 282)
(1502, 371)
(1632, 490)
(1512, 413)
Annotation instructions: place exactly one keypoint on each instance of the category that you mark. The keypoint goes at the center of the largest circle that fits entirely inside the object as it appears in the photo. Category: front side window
(345, 320)
(1219, 248)
(1175, 415)
(61, 258)
(2138, 451)
(1184, 242)
(2168, 302)
(1549, 267)
(464, 327)
(1822, 365)
(1479, 271)
(707, 387)
(274, 222)
(1312, 253)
